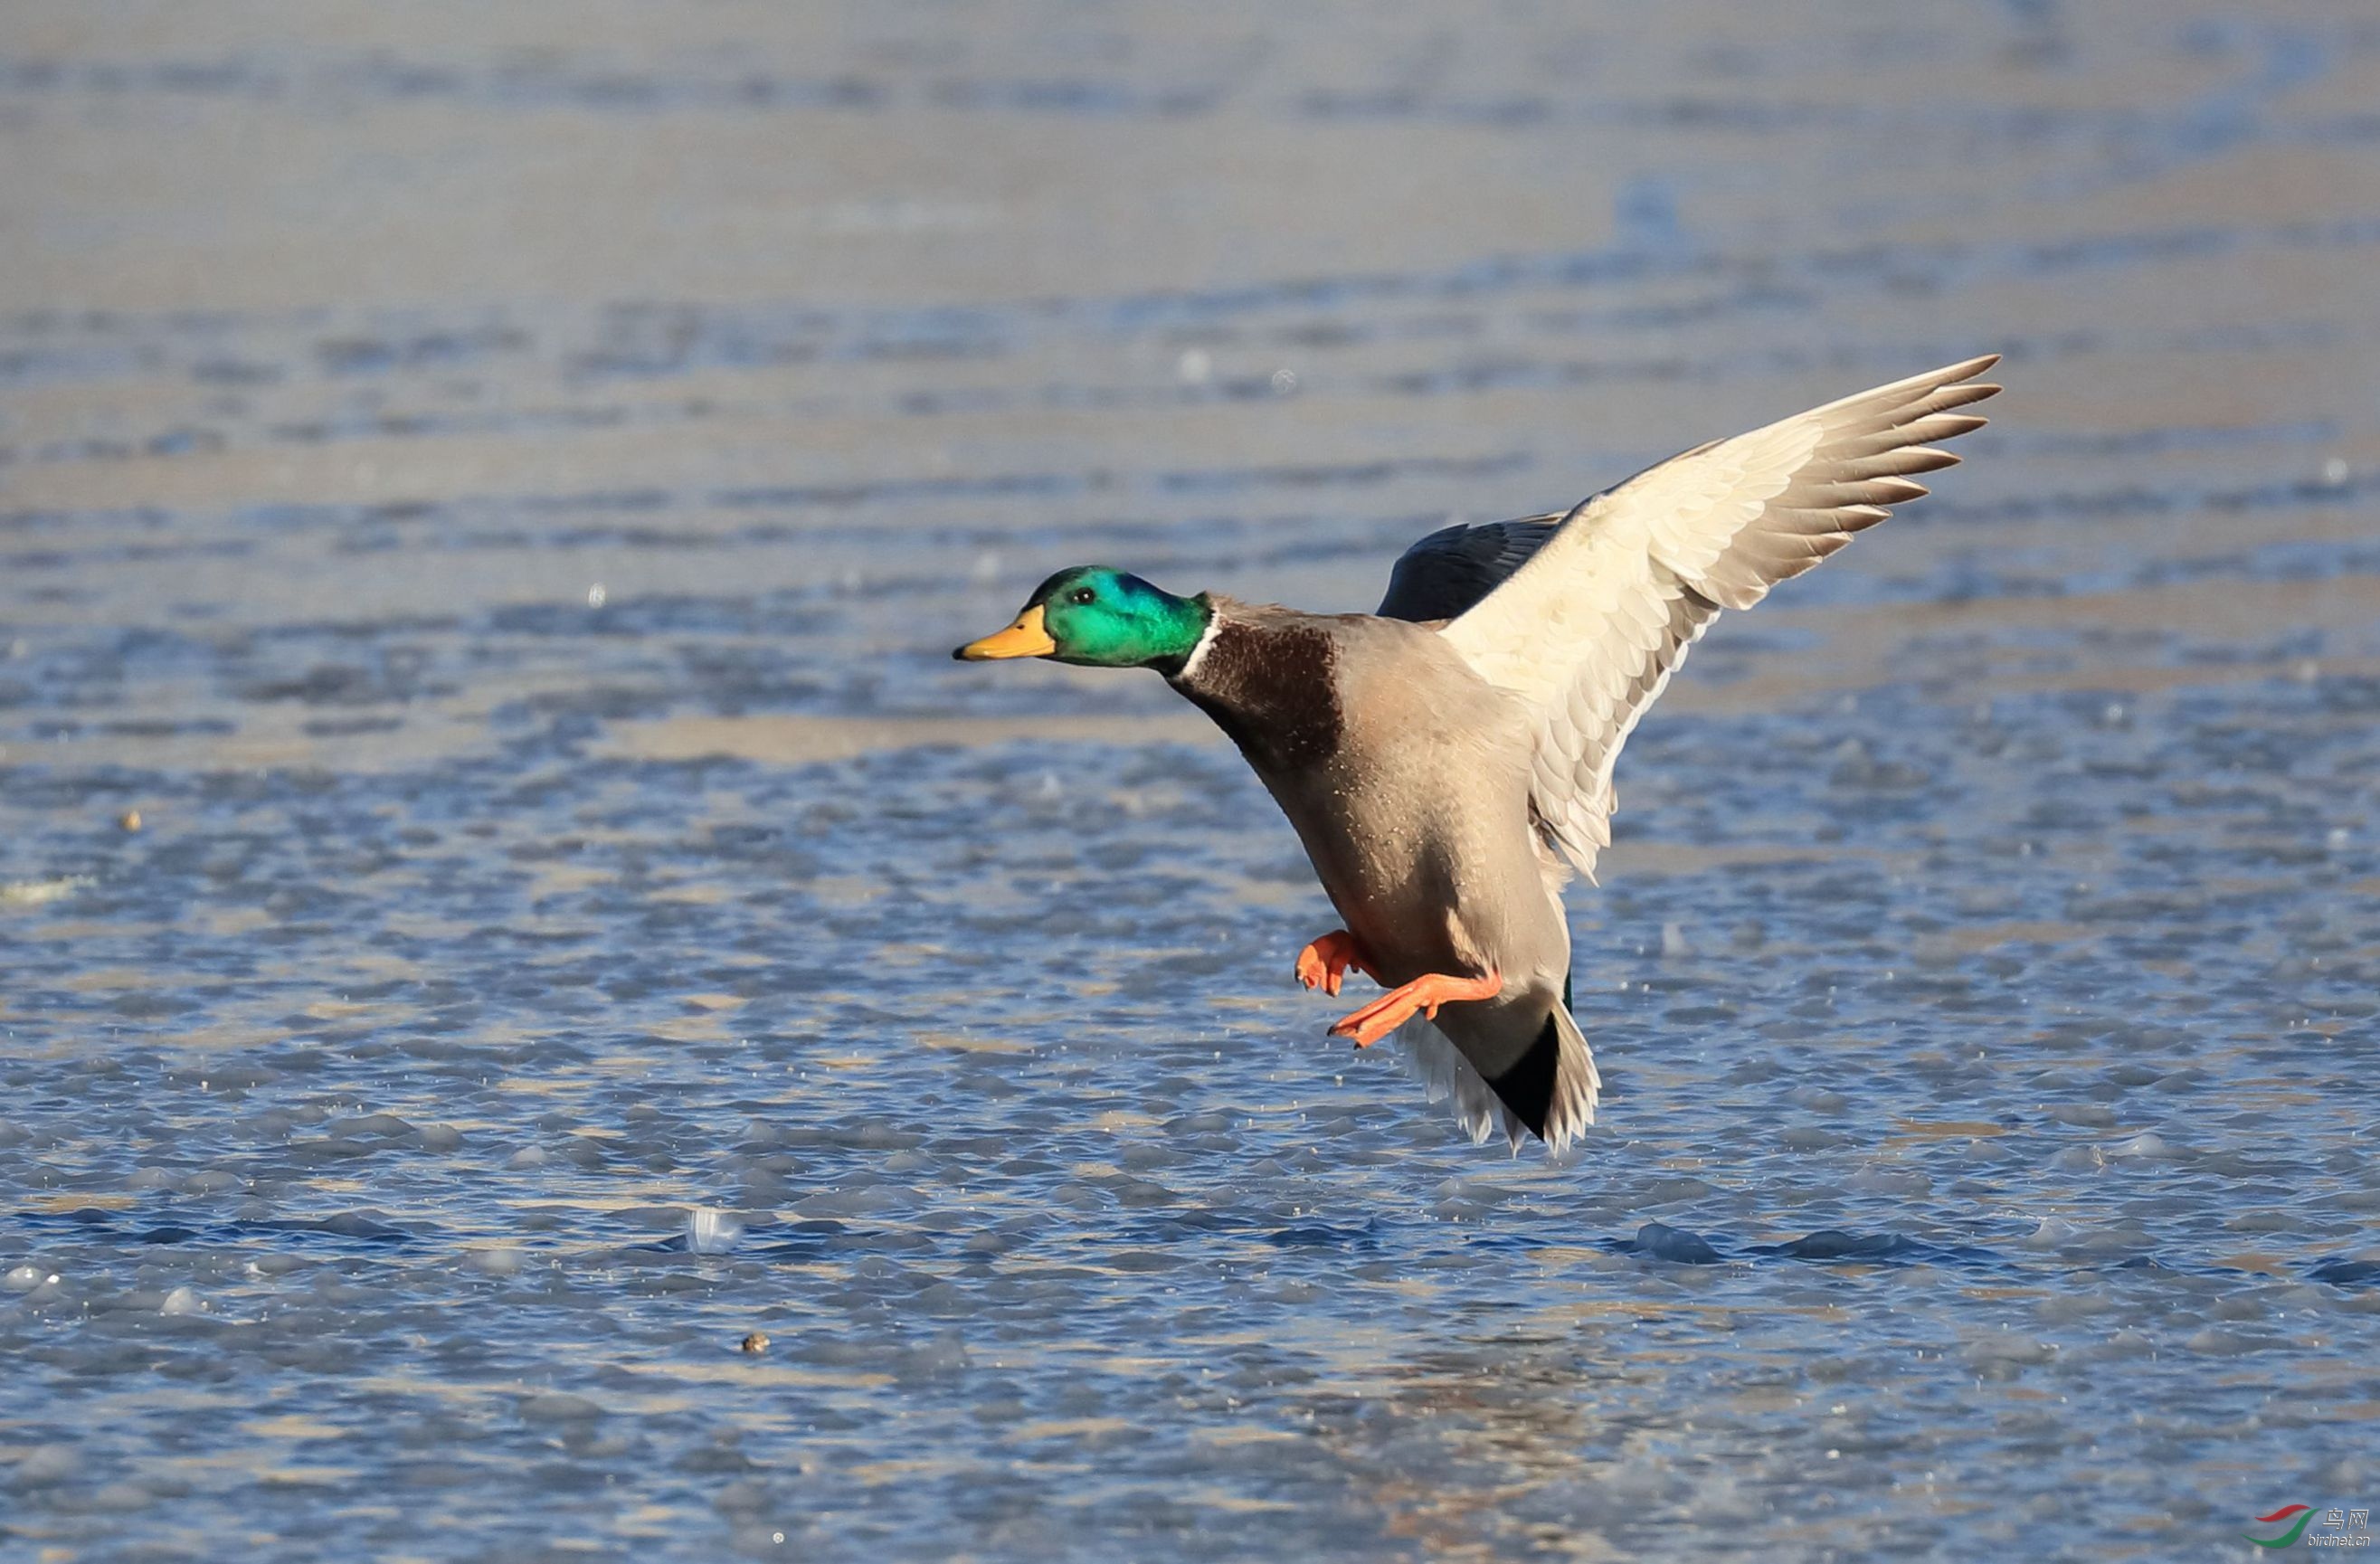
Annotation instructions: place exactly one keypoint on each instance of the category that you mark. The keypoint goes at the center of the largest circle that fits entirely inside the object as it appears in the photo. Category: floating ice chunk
(39, 892)
(944, 1301)
(557, 1406)
(2069, 1308)
(946, 1353)
(1902, 1181)
(1660, 1240)
(2009, 1350)
(712, 1233)
(48, 1464)
(1833, 1243)
(2050, 1233)
(2345, 1272)
(382, 1127)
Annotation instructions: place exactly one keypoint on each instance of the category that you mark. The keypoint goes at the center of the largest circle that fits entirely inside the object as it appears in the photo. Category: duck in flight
(1446, 760)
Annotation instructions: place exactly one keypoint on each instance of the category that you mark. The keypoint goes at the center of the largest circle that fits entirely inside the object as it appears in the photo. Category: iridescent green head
(1099, 618)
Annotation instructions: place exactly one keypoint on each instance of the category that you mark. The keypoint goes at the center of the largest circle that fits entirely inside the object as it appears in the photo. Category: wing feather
(1443, 574)
(1588, 626)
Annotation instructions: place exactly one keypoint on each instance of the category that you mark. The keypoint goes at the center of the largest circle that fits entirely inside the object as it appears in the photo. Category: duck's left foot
(1425, 993)
(1323, 965)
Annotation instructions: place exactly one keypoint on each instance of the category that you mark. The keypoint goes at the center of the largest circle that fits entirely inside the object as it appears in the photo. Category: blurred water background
(494, 488)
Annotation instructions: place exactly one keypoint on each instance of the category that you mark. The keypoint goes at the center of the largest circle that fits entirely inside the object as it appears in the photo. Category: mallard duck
(1447, 760)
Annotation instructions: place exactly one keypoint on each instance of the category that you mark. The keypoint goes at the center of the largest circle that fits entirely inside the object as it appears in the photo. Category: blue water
(579, 918)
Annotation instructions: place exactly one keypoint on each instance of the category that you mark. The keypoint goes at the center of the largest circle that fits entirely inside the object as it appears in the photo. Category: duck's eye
(1083, 595)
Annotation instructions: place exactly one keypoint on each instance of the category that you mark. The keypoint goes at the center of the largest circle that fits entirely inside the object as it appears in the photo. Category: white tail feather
(1447, 1076)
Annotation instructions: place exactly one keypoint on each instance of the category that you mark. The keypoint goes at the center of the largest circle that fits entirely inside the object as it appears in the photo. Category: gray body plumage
(1449, 761)
(1411, 794)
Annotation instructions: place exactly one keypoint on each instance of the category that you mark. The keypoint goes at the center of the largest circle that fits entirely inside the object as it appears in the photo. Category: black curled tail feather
(1552, 1087)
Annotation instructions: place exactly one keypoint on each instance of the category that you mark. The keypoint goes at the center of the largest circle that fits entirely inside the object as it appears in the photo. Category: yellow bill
(1025, 638)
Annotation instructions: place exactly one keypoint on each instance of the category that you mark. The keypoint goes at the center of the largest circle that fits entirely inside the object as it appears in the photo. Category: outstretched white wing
(1589, 629)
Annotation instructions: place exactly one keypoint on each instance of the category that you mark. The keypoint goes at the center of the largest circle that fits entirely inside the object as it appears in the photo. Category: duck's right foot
(1323, 965)
(1424, 994)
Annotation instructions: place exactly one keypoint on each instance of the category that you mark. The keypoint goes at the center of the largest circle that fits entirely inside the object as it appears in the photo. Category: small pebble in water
(756, 1342)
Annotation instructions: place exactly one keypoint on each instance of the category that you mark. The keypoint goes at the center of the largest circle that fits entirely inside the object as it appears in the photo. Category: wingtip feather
(1946, 426)
(1951, 396)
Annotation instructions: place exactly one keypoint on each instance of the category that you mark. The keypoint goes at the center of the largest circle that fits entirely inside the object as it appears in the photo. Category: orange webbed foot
(1323, 965)
(1425, 993)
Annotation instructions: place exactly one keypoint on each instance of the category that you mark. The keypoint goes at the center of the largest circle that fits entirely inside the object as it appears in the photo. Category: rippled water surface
(494, 490)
